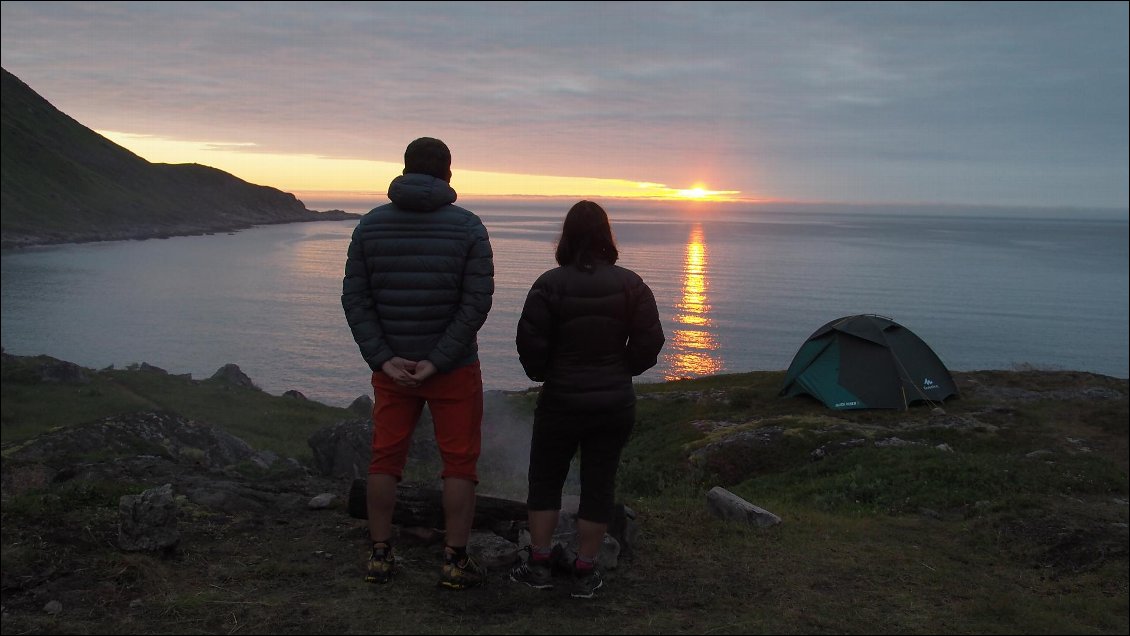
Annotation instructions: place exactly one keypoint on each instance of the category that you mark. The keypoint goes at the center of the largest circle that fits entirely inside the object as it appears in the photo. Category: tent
(867, 362)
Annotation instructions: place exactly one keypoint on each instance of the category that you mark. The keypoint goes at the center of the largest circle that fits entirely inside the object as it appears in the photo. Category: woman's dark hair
(586, 237)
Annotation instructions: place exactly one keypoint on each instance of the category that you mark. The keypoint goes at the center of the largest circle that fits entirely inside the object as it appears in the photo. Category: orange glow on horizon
(313, 173)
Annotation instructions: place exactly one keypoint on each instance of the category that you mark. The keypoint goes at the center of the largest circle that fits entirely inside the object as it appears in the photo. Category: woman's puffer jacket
(586, 333)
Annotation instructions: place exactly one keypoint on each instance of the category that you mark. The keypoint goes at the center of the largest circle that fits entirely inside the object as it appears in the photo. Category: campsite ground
(1007, 513)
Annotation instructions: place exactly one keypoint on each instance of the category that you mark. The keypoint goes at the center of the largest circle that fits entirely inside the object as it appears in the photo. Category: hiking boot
(585, 585)
(461, 574)
(537, 575)
(381, 566)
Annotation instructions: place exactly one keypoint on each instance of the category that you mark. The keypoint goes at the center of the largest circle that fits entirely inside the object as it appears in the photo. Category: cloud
(1014, 102)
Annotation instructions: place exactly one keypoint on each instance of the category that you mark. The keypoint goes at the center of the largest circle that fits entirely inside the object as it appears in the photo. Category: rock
(624, 528)
(567, 519)
(160, 434)
(148, 368)
(492, 551)
(294, 394)
(322, 501)
(264, 459)
(59, 372)
(362, 406)
(343, 450)
(419, 535)
(726, 505)
(827, 449)
(895, 442)
(53, 607)
(148, 521)
(232, 374)
(233, 497)
(418, 505)
(608, 557)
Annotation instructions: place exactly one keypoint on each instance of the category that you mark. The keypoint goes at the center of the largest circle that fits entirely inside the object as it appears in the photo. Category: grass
(1019, 527)
(905, 480)
(29, 405)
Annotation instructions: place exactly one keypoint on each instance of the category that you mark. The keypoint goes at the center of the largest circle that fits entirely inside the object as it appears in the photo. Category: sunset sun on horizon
(701, 192)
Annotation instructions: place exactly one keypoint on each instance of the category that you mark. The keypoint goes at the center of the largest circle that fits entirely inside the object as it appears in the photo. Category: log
(419, 506)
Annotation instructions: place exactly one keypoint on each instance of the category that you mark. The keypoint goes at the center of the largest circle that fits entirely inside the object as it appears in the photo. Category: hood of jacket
(421, 192)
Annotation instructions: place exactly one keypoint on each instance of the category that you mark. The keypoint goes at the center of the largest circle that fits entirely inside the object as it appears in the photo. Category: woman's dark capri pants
(557, 436)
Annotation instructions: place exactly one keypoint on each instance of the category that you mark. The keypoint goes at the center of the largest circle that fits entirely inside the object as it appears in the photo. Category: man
(418, 284)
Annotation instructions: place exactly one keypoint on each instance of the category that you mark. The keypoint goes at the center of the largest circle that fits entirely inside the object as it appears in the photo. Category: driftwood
(419, 506)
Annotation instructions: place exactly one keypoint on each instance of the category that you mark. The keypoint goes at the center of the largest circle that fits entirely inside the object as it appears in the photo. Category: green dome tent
(867, 362)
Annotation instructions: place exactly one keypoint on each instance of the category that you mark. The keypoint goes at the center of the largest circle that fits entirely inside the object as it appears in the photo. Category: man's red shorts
(455, 400)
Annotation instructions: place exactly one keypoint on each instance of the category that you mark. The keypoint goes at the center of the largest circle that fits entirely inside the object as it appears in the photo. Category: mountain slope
(62, 182)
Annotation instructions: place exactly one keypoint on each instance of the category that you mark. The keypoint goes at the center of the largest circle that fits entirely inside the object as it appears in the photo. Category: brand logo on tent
(928, 384)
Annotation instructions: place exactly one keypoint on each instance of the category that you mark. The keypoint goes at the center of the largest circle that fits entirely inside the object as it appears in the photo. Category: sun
(700, 192)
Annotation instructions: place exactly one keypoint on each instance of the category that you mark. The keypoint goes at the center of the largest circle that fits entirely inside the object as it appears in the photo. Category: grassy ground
(985, 537)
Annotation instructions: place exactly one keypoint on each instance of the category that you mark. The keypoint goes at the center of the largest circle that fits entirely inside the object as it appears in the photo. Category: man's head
(428, 156)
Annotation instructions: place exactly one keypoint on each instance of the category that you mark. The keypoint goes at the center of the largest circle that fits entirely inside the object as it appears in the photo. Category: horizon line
(361, 194)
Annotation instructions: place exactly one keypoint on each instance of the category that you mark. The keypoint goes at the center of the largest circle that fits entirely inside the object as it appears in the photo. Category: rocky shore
(44, 237)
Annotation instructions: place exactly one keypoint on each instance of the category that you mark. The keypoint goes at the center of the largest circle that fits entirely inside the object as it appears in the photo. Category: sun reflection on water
(693, 348)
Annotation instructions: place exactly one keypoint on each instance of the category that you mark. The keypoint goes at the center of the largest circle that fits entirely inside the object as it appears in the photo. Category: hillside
(1001, 511)
(62, 182)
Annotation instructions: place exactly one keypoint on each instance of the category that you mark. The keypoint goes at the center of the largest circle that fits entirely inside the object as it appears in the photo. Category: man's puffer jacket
(419, 277)
(585, 334)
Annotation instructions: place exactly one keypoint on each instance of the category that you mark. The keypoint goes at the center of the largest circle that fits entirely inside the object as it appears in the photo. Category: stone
(322, 501)
(726, 505)
(148, 522)
(232, 374)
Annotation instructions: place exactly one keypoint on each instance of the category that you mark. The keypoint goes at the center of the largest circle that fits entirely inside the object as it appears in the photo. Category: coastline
(14, 241)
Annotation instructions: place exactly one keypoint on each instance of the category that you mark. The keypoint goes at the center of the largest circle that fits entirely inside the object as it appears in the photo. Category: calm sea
(738, 290)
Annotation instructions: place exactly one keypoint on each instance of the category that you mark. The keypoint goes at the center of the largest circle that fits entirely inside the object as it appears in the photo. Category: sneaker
(586, 585)
(381, 566)
(537, 575)
(460, 575)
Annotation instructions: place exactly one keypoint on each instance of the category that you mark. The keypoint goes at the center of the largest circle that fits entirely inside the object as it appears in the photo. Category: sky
(1005, 104)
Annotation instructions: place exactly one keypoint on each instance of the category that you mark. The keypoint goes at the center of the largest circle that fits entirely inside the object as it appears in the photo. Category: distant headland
(64, 183)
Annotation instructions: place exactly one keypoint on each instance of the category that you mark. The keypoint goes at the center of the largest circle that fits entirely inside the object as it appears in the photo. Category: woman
(586, 329)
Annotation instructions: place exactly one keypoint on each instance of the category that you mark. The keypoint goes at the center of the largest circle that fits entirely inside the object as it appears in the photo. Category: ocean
(739, 289)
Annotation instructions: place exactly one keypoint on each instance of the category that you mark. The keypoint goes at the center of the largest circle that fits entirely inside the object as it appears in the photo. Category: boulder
(232, 374)
(148, 521)
(726, 505)
(362, 406)
(59, 372)
(343, 450)
(159, 434)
